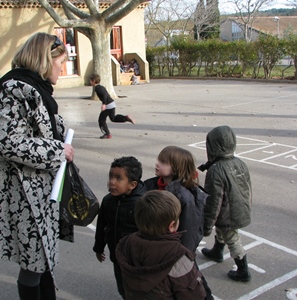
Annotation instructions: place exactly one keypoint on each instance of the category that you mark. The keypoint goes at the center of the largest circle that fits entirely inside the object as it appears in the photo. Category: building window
(236, 32)
(68, 36)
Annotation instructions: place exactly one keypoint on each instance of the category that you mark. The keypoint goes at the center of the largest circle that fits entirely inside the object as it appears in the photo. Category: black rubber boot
(216, 253)
(28, 292)
(47, 287)
(242, 273)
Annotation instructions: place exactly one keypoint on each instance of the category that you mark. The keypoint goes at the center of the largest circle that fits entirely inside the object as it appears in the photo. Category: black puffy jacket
(116, 220)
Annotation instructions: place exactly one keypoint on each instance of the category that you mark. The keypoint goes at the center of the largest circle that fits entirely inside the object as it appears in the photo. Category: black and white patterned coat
(29, 160)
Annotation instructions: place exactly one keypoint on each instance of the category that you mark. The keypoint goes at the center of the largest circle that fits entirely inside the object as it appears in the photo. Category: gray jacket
(228, 183)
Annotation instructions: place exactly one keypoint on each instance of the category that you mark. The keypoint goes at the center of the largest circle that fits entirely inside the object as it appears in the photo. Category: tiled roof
(54, 3)
(270, 24)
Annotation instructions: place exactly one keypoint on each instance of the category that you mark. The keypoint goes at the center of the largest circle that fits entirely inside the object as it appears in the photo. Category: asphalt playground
(181, 112)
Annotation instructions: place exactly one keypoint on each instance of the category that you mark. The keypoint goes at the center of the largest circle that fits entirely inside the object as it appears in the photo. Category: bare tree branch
(69, 7)
(206, 16)
(247, 11)
(94, 11)
(122, 10)
(96, 26)
(168, 15)
(60, 20)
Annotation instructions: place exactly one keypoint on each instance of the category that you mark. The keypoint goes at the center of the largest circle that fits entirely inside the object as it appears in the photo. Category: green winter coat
(228, 183)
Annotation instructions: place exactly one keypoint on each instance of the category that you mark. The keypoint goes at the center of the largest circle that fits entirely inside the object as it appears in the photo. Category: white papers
(59, 180)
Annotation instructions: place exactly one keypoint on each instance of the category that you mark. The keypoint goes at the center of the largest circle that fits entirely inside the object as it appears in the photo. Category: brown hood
(145, 262)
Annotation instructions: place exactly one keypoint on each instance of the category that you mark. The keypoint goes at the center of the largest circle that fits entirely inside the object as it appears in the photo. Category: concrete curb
(229, 78)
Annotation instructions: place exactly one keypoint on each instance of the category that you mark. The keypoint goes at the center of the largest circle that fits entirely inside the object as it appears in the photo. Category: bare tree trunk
(100, 41)
(96, 26)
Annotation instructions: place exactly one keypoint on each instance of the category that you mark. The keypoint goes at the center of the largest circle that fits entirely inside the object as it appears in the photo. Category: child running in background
(116, 215)
(151, 258)
(107, 108)
(228, 207)
(176, 172)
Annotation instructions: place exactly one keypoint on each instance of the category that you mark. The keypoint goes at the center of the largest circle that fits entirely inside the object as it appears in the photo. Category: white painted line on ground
(292, 294)
(261, 142)
(264, 241)
(268, 286)
(251, 139)
(265, 145)
(211, 262)
(268, 163)
(256, 268)
(256, 144)
(251, 266)
(254, 150)
(278, 155)
(227, 255)
(291, 156)
(252, 245)
(195, 145)
(257, 101)
(92, 227)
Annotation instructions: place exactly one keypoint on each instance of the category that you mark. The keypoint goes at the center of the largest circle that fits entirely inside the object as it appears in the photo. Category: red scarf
(161, 184)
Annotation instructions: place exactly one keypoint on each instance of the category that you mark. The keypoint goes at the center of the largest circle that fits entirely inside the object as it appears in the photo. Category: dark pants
(33, 285)
(119, 279)
(113, 118)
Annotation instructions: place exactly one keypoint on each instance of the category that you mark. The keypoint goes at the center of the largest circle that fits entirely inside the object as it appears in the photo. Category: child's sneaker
(128, 119)
(105, 136)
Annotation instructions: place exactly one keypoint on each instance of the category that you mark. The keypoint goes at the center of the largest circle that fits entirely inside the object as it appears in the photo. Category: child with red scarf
(176, 172)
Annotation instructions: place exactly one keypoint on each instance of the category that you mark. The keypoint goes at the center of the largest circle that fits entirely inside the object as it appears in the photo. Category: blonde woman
(32, 149)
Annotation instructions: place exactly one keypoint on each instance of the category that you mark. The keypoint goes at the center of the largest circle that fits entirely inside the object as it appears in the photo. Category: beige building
(20, 19)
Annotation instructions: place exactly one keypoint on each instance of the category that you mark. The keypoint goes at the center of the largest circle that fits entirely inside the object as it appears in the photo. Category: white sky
(226, 7)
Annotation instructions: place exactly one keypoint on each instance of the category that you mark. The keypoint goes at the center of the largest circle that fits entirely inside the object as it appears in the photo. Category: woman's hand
(69, 152)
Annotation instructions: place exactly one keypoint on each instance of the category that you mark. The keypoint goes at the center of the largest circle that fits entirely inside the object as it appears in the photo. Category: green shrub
(213, 57)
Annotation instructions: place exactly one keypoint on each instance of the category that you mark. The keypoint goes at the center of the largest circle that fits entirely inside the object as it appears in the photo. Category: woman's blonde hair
(155, 211)
(182, 164)
(37, 54)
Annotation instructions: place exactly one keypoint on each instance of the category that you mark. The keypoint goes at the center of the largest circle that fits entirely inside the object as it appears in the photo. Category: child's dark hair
(131, 165)
(95, 77)
(155, 210)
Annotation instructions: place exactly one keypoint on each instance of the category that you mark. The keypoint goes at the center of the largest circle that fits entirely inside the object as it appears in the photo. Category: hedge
(214, 57)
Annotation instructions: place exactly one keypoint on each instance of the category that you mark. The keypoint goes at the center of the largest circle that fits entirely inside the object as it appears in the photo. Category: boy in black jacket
(107, 108)
(116, 215)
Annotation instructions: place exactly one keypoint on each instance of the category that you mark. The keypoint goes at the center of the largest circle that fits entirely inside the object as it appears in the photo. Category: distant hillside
(276, 12)
(279, 12)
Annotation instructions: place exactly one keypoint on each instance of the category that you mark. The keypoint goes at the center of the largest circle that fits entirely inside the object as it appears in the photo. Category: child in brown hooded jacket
(154, 264)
